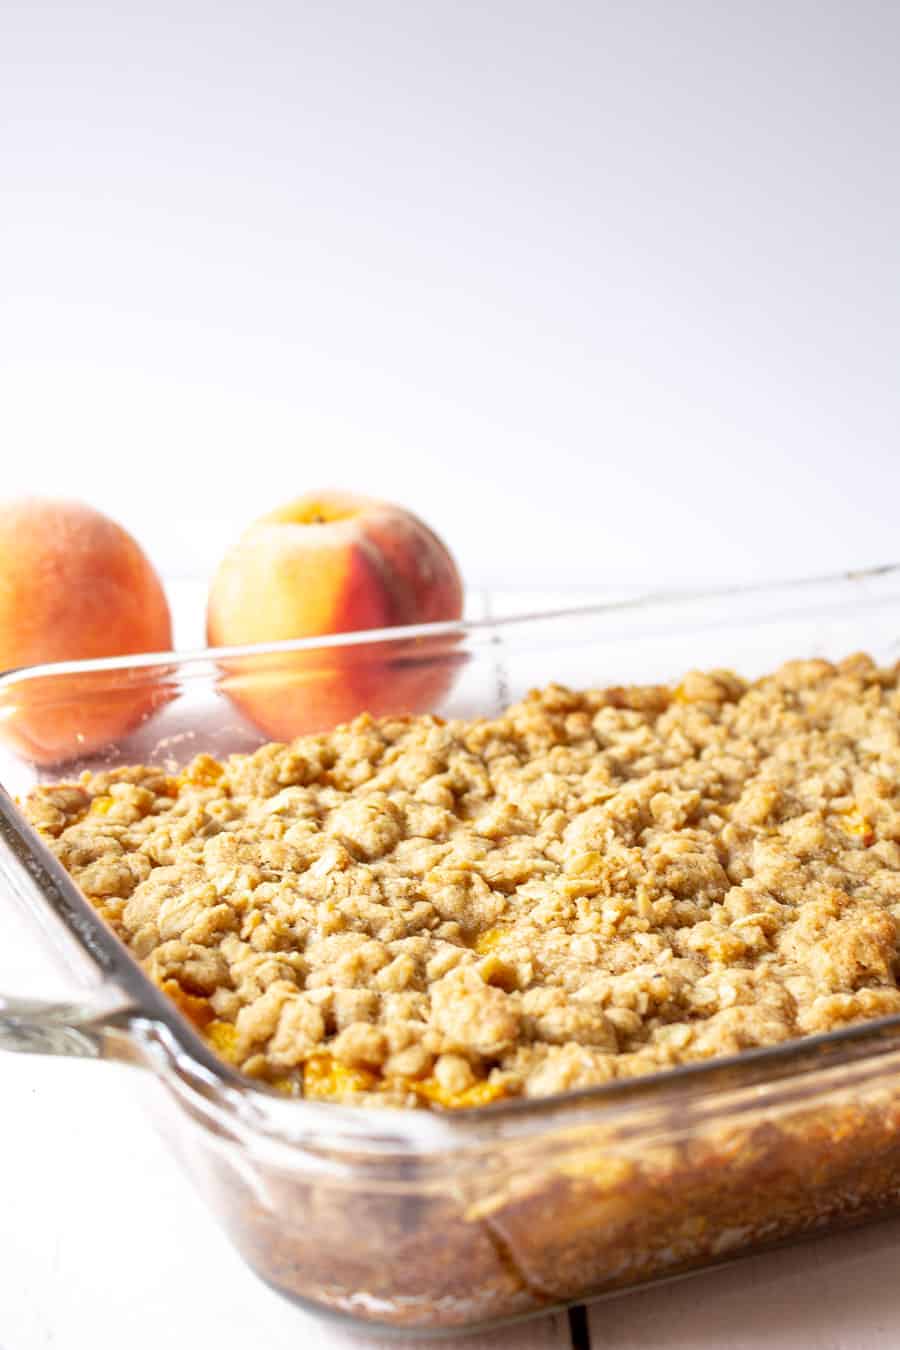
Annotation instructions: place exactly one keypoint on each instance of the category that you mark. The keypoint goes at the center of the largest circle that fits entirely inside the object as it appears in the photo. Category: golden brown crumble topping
(589, 886)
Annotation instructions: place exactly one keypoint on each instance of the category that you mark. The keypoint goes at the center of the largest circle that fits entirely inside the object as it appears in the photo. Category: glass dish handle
(95, 1026)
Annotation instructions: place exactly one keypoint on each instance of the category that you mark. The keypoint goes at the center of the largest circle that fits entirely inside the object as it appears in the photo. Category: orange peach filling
(196, 1009)
(479, 1094)
(204, 771)
(856, 823)
(324, 1078)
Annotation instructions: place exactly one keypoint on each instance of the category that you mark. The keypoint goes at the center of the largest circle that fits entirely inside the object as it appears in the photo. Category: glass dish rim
(643, 600)
(394, 1127)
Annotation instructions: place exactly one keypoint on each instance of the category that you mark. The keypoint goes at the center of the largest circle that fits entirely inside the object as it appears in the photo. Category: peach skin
(73, 585)
(333, 563)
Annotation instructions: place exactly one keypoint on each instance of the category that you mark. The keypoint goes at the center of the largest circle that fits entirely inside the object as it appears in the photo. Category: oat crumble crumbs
(592, 885)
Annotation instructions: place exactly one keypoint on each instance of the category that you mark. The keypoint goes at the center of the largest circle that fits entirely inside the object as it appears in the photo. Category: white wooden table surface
(103, 1244)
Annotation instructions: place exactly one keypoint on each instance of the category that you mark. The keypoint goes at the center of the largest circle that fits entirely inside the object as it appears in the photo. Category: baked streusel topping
(591, 885)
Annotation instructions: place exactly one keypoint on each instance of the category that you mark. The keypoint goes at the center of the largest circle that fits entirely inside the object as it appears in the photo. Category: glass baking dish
(434, 1221)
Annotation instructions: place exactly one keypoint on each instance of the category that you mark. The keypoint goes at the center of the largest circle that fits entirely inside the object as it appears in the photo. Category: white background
(608, 292)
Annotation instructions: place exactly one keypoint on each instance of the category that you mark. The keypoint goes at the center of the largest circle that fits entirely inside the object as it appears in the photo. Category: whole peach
(73, 585)
(334, 563)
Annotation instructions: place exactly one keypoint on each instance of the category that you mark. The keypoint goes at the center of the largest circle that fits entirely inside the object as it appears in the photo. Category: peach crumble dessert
(592, 885)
